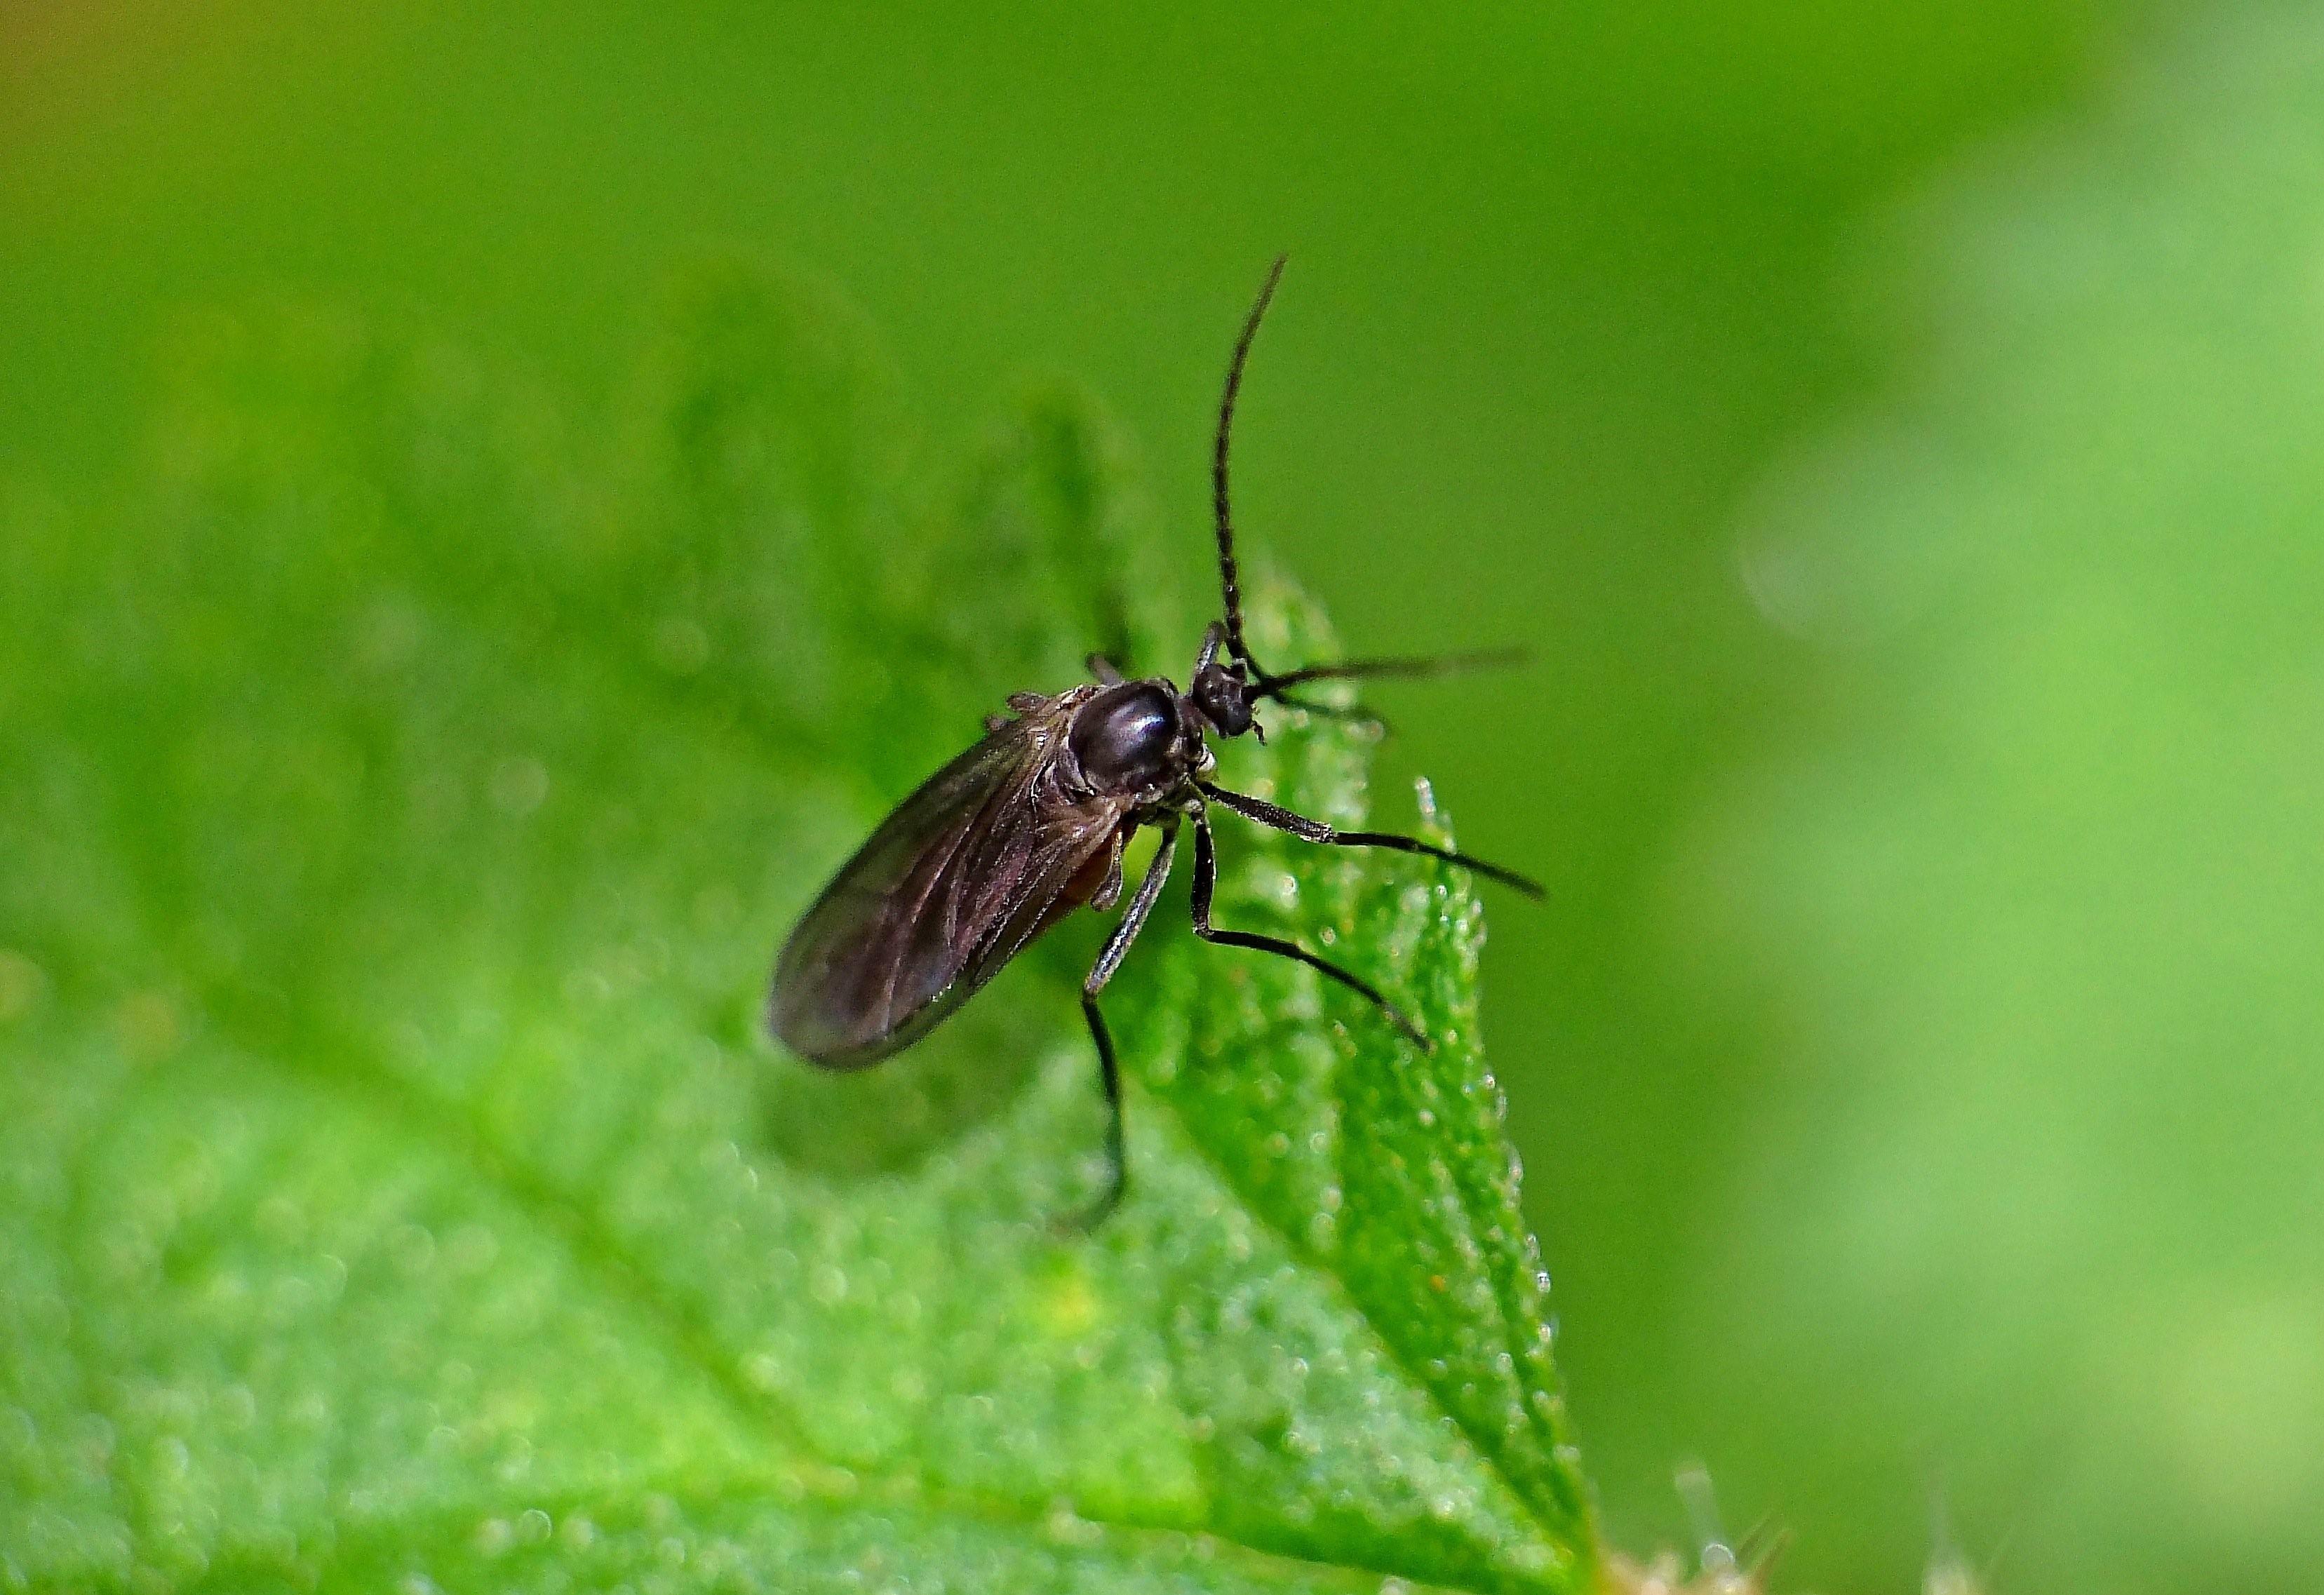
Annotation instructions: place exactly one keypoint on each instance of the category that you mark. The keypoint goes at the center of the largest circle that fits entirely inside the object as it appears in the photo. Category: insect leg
(1109, 891)
(1307, 830)
(1133, 921)
(1206, 879)
(1103, 669)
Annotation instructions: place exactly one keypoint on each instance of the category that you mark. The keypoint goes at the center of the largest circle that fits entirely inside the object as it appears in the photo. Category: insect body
(1030, 823)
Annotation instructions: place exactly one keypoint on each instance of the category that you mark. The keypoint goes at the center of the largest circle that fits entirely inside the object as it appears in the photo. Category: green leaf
(405, 793)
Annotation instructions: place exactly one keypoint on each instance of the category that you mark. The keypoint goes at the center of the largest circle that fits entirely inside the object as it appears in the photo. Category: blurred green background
(1914, 1064)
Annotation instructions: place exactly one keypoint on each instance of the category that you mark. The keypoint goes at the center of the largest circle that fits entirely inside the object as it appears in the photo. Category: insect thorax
(1132, 738)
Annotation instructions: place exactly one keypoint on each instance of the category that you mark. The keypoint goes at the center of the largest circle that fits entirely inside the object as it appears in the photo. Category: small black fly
(1030, 823)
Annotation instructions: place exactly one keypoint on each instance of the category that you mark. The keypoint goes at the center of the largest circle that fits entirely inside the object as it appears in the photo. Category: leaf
(405, 794)
(2034, 887)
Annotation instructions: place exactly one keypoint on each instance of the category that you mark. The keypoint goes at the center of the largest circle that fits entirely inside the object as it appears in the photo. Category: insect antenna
(1277, 687)
(1443, 664)
(1266, 684)
(1229, 575)
(1346, 713)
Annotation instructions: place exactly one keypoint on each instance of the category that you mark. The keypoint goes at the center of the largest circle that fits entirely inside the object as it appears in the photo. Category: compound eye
(1126, 737)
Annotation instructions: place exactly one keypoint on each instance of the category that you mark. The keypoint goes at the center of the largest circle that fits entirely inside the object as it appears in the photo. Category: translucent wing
(966, 870)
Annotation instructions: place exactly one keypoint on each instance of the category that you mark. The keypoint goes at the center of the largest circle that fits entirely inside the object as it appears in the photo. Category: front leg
(1310, 829)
